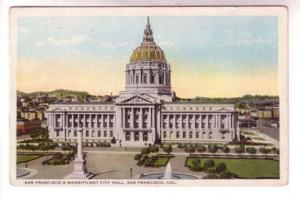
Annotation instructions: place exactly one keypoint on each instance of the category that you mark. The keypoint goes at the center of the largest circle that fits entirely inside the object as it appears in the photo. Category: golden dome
(148, 53)
(148, 50)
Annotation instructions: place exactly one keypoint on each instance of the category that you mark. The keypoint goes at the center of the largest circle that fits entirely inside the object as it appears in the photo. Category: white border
(291, 191)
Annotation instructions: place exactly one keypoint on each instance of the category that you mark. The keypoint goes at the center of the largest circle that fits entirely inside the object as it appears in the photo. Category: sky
(210, 56)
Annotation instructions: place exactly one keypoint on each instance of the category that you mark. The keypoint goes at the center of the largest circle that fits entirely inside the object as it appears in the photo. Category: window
(177, 134)
(105, 134)
(136, 136)
(152, 79)
(223, 135)
(210, 135)
(75, 133)
(222, 125)
(165, 135)
(87, 133)
(111, 134)
(145, 79)
(191, 135)
(137, 79)
(160, 78)
(57, 133)
(145, 136)
(197, 134)
(183, 135)
(127, 138)
(99, 133)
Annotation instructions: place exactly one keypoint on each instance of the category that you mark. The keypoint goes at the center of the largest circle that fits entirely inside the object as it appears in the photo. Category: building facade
(145, 112)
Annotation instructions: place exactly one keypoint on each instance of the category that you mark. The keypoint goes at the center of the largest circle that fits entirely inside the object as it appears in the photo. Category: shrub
(212, 148)
(180, 146)
(167, 148)
(189, 149)
(137, 156)
(113, 140)
(221, 167)
(201, 149)
(208, 164)
(251, 150)
(225, 149)
(210, 176)
(240, 149)
(264, 150)
(145, 150)
(154, 149)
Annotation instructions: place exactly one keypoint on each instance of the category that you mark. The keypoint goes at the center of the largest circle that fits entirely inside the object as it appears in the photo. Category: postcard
(138, 96)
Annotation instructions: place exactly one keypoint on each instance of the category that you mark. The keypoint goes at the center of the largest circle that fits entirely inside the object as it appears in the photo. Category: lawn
(247, 168)
(248, 133)
(161, 161)
(258, 138)
(27, 157)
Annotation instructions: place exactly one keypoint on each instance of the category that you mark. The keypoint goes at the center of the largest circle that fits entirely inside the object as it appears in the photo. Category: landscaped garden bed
(242, 168)
(60, 159)
(149, 157)
(23, 158)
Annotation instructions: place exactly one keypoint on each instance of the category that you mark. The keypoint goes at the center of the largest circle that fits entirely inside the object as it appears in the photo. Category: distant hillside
(235, 100)
(56, 93)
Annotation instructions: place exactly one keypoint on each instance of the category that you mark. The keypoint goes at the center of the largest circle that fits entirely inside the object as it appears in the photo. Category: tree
(167, 148)
(221, 168)
(196, 165)
(209, 164)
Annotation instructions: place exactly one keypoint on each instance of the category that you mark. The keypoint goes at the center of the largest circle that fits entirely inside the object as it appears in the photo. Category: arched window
(137, 79)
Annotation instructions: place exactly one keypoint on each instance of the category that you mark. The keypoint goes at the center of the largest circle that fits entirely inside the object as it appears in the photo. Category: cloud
(79, 39)
(244, 42)
(73, 41)
(58, 42)
(114, 45)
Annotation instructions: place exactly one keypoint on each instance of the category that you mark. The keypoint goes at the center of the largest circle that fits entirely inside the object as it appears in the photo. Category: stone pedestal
(79, 169)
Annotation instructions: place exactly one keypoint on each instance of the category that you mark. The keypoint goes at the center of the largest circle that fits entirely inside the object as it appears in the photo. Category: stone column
(168, 121)
(132, 118)
(149, 118)
(140, 117)
(79, 145)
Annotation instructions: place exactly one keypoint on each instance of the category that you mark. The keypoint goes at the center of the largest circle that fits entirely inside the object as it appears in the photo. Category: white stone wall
(137, 124)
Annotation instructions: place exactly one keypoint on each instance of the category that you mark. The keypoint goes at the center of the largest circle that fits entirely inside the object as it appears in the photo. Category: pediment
(139, 99)
(57, 110)
(223, 110)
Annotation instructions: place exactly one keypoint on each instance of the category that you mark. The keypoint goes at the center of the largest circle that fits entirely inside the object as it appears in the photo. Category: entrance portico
(139, 120)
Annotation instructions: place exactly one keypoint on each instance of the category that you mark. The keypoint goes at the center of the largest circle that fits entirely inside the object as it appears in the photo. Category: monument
(79, 169)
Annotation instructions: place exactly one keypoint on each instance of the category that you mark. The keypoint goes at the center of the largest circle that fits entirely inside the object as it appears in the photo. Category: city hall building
(145, 112)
